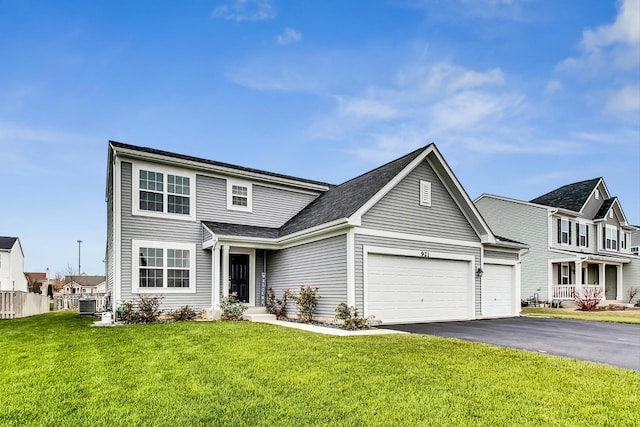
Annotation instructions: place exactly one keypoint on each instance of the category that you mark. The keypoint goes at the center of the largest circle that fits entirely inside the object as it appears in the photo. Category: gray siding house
(402, 242)
(578, 237)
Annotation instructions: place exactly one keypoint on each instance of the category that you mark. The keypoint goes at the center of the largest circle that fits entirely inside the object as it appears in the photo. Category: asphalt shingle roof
(345, 199)
(7, 242)
(211, 162)
(571, 196)
(606, 205)
(338, 202)
(85, 280)
(226, 229)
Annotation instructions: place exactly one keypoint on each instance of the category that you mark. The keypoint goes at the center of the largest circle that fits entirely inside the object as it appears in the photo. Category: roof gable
(607, 206)
(85, 280)
(572, 197)
(345, 199)
(7, 242)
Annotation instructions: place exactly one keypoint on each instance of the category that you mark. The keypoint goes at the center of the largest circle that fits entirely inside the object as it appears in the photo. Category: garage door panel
(410, 289)
(498, 291)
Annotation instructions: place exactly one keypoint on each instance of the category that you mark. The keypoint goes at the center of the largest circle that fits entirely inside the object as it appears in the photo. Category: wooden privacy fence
(70, 301)
(14, 304)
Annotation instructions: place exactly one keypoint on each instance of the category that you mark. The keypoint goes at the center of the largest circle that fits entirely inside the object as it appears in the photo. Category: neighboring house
(85, 285)
(578, 237)
(402, 242)
(12, 276)
(38, 282)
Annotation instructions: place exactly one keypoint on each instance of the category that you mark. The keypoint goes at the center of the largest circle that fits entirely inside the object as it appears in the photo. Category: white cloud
(624, 100)
(365, 108)
(611, 47)
(245, 10)
(289, 36)
(553, 86)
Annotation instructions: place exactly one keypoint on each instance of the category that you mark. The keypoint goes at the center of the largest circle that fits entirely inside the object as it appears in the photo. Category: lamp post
(79, 271)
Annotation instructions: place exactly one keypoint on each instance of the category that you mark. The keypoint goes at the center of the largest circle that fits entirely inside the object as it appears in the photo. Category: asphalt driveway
(613, 344)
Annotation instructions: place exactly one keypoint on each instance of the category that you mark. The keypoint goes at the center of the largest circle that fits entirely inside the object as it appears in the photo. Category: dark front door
(239, 271)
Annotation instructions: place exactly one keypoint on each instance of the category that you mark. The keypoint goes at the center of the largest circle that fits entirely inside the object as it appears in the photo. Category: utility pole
(79, 270)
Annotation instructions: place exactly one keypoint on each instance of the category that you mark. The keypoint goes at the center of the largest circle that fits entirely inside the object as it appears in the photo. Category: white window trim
(562, 276)
(165, 170)
(240, 183)
(135, 267)
(614, 229)
(425, 193)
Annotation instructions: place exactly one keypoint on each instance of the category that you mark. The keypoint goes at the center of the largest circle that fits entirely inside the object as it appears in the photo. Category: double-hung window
(158, 191)
(564, 231)
(239, 195)
(565, 275)
(611, 237)
(163, 267)
(583, 235)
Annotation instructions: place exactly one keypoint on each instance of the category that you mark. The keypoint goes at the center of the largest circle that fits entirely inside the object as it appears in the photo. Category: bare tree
(632, 293)
(587, 299)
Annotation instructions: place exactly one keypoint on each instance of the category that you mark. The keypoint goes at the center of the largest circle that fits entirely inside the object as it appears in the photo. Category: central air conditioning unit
(87, 307)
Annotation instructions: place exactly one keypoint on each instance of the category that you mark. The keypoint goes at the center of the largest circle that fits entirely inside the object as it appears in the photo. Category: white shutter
(425, 193)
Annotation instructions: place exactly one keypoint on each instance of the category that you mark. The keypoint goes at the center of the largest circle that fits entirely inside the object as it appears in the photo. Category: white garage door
(498, 291)
(410, 289)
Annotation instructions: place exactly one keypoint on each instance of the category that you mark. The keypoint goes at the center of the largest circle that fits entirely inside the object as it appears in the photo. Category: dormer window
(239, 195)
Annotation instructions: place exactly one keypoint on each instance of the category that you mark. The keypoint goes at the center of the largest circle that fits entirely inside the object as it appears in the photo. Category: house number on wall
(424, 254)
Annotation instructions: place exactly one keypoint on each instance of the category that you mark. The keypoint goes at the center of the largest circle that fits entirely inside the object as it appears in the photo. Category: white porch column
(601, 278)
(619, 287)
(578, 275)
(215, 277)
(225, 271)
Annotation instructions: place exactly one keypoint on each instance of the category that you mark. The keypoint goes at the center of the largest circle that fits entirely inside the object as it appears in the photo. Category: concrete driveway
(613, 344)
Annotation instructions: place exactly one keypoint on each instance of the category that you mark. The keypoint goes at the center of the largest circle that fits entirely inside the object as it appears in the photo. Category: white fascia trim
(165, 170)
(592, 192)
(416, 253)
(351, 268)
(206, 244)
(227, 171)
(320, 232)
(135, 268)
(117, 233)
(494, 261)
(417, 238)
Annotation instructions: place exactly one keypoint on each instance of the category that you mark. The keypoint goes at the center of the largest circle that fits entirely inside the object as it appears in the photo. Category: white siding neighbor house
(403, 242)
(12, 276)
(578, 237)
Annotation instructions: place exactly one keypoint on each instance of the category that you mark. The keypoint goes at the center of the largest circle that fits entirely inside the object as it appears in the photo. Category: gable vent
(425, 193)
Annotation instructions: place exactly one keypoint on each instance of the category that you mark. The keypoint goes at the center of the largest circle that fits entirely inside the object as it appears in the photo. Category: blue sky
(521, 97)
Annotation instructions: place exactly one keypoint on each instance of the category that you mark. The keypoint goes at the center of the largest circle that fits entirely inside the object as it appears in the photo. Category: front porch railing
(567, 292)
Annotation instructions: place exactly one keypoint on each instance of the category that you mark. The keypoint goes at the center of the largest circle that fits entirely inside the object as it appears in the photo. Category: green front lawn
(625, 316)
(55, 370)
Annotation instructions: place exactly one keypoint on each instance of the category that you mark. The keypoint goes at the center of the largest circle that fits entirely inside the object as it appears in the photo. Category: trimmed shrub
(306, 302)
(277, 306)
(232, 308)
(350, 318)
(144, 309)
(184, 313)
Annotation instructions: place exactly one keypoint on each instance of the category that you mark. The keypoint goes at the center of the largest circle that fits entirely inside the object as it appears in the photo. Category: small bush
(632, 294)
(350, 318)
(144, 309)
(306, 302)
(184, 313)
(277, 306)
(587, 299)
(232, 308)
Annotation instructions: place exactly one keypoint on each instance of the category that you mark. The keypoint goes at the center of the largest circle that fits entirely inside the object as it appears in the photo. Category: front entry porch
(570, 277)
